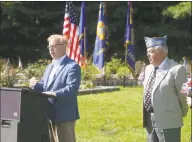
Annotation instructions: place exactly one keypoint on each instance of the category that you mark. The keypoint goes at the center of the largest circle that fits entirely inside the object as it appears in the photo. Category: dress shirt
(160, 68)
(55, 63)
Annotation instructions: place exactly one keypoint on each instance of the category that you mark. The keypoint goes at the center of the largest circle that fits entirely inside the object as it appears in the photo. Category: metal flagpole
(105, 77)
(85, 54)
(126, 53)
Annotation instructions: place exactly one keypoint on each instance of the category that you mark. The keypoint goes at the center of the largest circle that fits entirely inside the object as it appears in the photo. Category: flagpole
(105, 81)
(105, 78)
(85, 56)
(126, 48)
(133, 43)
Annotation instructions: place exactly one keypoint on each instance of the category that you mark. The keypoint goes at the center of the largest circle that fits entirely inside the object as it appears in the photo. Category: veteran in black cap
(164, 106)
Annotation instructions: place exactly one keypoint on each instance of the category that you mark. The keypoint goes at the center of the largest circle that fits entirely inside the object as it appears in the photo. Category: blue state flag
(82, 25)
(128, 39)
(101, 43)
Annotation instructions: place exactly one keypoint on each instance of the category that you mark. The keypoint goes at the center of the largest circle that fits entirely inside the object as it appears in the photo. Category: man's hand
(32, 82)
(53, 94)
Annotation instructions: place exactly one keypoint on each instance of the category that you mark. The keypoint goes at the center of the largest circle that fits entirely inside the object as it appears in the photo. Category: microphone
(9, 80)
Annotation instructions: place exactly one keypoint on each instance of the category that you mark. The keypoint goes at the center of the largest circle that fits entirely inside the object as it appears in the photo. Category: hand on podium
(32, 82)
(51, 94)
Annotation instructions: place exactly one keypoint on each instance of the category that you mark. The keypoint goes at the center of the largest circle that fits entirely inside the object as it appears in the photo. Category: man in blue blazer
(61, 79)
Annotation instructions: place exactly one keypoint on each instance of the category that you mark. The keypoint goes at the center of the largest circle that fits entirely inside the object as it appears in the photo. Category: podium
(23, 115)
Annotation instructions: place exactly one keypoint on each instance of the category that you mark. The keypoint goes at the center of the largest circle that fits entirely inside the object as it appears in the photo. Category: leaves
(25, 26)
(181, 10)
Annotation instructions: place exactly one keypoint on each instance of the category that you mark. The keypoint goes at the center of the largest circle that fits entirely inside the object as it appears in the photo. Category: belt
(150, 110)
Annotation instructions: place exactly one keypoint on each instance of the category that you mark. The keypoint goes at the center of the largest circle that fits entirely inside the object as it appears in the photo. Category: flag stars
(71, 11)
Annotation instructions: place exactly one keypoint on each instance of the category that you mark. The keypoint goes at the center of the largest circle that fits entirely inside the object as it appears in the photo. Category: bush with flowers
(187, 87)
(187, 90)
(8, 74)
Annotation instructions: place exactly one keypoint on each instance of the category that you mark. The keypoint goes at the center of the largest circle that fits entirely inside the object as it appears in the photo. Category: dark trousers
(155, 134)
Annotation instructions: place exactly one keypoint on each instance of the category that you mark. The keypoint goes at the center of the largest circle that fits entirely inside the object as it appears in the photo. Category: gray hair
(58, 38)
(165, 48)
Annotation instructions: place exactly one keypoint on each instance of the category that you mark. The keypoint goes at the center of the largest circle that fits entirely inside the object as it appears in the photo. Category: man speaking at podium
(62, 80)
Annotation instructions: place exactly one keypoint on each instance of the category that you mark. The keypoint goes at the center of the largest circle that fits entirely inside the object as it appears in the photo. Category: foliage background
(25, 27)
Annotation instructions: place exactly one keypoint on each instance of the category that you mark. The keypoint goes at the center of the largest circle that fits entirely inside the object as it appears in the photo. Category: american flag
(70, 31)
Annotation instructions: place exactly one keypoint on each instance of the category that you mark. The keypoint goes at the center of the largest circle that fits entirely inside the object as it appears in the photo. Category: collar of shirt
(58, 61)
(160, 67)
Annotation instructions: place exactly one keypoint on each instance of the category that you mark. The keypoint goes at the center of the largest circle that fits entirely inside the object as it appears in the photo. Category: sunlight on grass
(115, 117)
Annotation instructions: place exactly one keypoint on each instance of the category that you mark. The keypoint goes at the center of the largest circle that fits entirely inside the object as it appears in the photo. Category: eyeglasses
(53, 46)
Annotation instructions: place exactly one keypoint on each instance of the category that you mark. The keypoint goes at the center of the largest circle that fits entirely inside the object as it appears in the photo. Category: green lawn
(116, 117)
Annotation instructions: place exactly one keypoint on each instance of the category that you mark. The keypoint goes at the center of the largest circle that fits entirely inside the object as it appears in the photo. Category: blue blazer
(66, 84)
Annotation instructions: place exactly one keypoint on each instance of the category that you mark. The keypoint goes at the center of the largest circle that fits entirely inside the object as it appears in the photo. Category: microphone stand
(11, 78)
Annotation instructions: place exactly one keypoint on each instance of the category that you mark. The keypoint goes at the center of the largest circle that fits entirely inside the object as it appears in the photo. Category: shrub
(123, 71)
(37, 69)
(138, 67)
(113, 65)
(8, 74)
(88, 72)
(87, 84)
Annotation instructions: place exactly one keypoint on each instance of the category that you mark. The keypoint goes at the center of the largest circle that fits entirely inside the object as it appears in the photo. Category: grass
(116, 117)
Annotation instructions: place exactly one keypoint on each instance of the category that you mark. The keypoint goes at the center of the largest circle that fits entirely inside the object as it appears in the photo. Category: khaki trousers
(62, 131)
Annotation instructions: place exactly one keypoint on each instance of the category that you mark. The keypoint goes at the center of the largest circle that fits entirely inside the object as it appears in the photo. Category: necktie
(148, 105)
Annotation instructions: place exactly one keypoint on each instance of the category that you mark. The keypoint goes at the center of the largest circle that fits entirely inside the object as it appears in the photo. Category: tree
(179, 11)
(25, 27)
